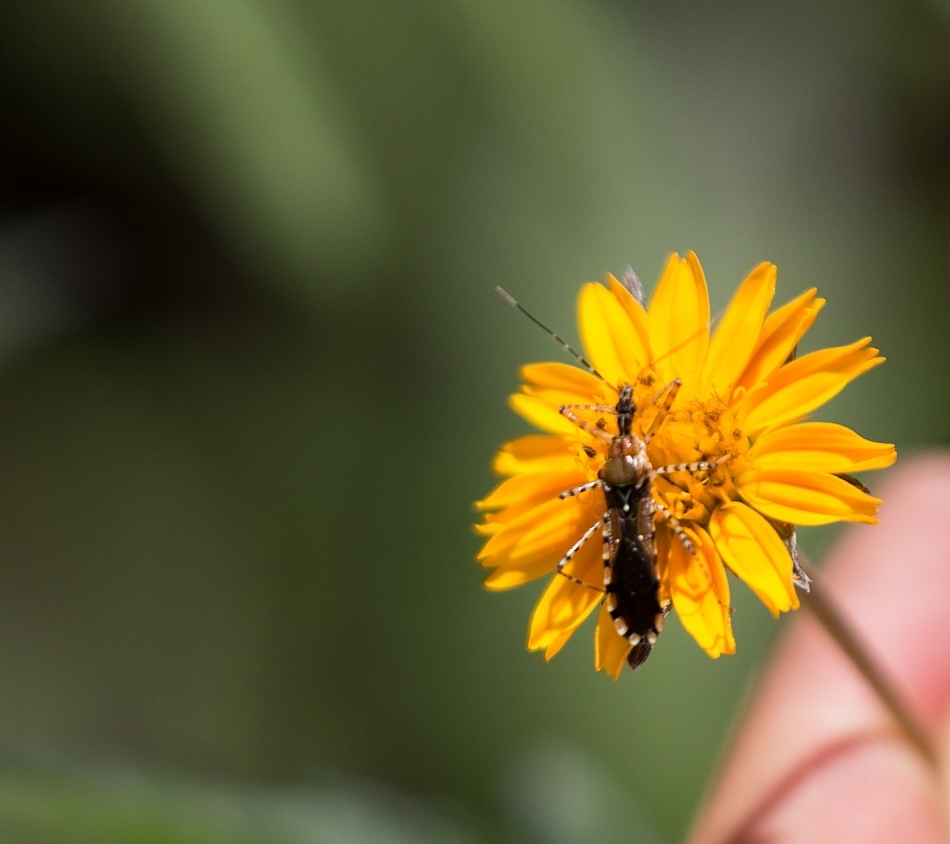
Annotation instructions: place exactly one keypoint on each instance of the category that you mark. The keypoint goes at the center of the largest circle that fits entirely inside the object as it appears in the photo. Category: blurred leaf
(557, 793)
(236, 96)
(124, 808)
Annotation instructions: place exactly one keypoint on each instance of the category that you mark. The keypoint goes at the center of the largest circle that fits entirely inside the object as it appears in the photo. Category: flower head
(729, 465)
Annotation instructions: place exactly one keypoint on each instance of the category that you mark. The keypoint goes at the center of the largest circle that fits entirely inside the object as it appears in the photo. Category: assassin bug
(631, 582)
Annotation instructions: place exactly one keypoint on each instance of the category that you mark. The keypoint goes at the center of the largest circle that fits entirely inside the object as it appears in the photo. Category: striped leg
(677, 527)
(669, 396)
(574, 549)
(599, 408)
(687, 544)
(584, 425)
(693, 468)
(579, 489)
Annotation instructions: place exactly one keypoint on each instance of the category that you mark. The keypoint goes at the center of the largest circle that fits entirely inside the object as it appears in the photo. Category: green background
(253, 373)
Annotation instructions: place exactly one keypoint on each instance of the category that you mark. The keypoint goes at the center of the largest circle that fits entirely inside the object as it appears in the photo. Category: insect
(631, 582)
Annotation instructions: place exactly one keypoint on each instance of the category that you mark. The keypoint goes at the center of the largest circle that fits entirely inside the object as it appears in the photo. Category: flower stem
(830, 617)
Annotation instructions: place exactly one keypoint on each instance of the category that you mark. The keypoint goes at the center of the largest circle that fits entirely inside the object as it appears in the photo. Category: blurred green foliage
(254, 373)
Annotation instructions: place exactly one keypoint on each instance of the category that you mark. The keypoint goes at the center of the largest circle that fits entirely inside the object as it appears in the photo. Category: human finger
(817, 757)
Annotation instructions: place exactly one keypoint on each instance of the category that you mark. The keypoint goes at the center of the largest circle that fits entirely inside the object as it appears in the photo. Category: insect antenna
(628, 282)
(563, 343)
(710, 323)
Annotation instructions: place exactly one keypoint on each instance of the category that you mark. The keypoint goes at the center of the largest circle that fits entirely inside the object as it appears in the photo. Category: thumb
(818, 758)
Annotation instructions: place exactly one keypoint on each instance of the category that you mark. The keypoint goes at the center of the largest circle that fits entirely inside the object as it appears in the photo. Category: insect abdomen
(633, 589)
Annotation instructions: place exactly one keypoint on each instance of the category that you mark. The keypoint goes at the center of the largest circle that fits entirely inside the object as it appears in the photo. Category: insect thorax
(627, 463)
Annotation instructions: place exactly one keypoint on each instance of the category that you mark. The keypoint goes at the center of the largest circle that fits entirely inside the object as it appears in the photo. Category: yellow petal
(679, 322)
(557, 643)
(564, 473)
(610, 648)
(755, 553)
(739, 332)
(639, 320)
(583, 386)
(523, 493)
(804, 384)
(532, 544)
(803, 497)
(701, 593)
(565, 604)
(508, 575)
(526, 534)
(819, 446)
(609, 336)
(532, 454)
(542, 413)
(556, 399)
(780, 334)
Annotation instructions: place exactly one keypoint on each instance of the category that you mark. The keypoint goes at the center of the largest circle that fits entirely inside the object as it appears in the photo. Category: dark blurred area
(254, 372)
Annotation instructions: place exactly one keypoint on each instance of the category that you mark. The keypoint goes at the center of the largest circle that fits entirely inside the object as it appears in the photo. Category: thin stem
(830, 617)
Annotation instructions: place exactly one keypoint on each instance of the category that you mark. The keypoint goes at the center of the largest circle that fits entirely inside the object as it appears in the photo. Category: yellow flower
(734, 403)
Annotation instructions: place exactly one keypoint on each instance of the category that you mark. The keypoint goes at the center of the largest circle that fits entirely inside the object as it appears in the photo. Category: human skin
(817, 758)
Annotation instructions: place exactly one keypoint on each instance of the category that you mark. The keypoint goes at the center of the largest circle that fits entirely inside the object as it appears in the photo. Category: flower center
(693, 432)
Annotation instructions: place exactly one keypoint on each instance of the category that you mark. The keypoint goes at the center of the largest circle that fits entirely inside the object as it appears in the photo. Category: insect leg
(599, 408)
(675, 524)
(584, 425)
(668, 394)
(573, 550)
(692, 468)
(687, 544)
(579, 489)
